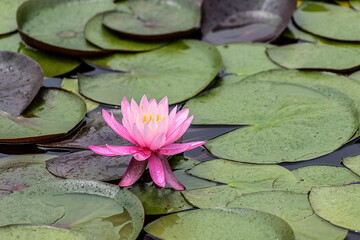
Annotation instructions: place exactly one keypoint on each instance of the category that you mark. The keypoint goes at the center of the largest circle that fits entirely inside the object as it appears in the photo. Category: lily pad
(88, 165)
(178, 162)
(294, 32)
(154, 19)
(40, 121)
(25, 232)
(338, 205)
(353, 163)
(316, 176)
(355, 4)
(20, 80)
(96, 210)
(38, 23)
(8, 15)
(95, 132)
(221, 223)
(315, 56)
(245, 59)
(19, 172)
(51, 64)
(104, 38)
(180, 70)
(318, 18)
(283, 116)
(229, 21)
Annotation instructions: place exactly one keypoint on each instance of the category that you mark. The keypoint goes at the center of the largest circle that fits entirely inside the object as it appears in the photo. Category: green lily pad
(40, 121)
(88, 165)
(221, 223)
(180, 70)
(338, 205)
(153, 19)
(328, 20)
(20, 80)
(315, 56)
(104, 38)
(355, 75)
(316, 176)
(95, 132)
(25, 232)
(22, 171)
(94, 209)
(8, 15)
(72, 85)
(355, 4)
(353, 163)
(283, 116)
(52, 64)
(38, 23)
(122, 6)
(294, 32)
(245, 58)
(178, 162)
(166, 200)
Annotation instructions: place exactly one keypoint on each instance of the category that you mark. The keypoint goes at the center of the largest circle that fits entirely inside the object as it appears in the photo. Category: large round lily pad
(39, 26)
(97, 34)
(179, 71)
(18, 172)
(328, 20)
(293, 122)
(229, 21)
(316, 56)
(88, 165)
(20, 80)
(338, 204)
(97, 210)
(353, 163)
(221, 223)
(8, 15)
(155, 19)
(53, 113)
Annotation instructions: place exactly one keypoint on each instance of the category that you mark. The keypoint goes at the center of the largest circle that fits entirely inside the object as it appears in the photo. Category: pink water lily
(153, 130)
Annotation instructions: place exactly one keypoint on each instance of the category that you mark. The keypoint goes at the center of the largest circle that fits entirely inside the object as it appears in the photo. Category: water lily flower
(153, 130)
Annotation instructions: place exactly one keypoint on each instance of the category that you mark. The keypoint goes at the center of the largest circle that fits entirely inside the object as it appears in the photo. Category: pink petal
(102, 150)
(133, 172)
(156, 170)
(116, 126)
(175, 135)
(144, 103)
(123, 150)
(158, 142)
(176, 148)
(142, 155)
(169, 175)
(163, 107)
(125, 106)
(180, 117)
(138, 136)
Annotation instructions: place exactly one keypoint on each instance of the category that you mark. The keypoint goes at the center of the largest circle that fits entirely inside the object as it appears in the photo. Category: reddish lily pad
(20, 80)
(88, 165)
(229, 21)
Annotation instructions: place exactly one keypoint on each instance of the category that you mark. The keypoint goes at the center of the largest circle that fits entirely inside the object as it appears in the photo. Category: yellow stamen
(144, 118)
(149, 118)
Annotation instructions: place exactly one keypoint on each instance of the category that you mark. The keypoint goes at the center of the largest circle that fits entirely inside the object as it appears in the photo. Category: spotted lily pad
(283, 116)
(353, 163)
(8, 15)
(104, 38)
(338, 205)
(94, 132)
(318, 18)
(19, 172)
(38, 22)
(180, 71)
(20, 80)
(229, 21)
(40, 121)
(155, 19)
(220, 223)
(88, 165)
(96, 210)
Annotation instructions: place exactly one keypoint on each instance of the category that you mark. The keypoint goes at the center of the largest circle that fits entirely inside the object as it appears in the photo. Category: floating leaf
(283, 116)
(318, 18)
(153, 19)
(353, 163)
(38, 23)
(355, 4)
(20, 80)
(180, 71)
(294, 32)
(95, 132)
(41, 120)
(182, 163)
(338, 205)
(221, 223)
(88, 165)
(8, 15)
(229, 21)
(98, 211)
(104, 38)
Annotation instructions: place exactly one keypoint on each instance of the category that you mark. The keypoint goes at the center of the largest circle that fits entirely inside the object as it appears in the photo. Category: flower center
(147, 118)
